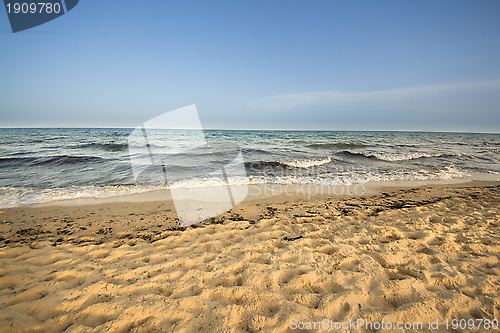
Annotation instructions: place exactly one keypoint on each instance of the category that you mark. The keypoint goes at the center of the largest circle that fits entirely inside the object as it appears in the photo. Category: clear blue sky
(355, 65)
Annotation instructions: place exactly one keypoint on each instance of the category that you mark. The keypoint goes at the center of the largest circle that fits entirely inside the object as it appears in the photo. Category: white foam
(210, 182)
(397, 157)
(15, 197)
(308, 163)
(451, 172)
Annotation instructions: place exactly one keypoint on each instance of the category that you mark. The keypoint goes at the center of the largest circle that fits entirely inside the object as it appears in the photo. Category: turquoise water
(43, 165)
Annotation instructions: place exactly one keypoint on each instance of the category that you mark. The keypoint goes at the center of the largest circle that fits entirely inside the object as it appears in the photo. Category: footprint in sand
(378, 258)
(95, 299)
(257, 258)
(70, 280)
(7, 283)
(347, 264)
(42, 312)
(230, 281)
(311, 301)
(416, 234)
(420, 248)
(28, 296)
(285, 276)
(187, 291)
(435, 240)
(388, 236)
(328, 249)
(267, 306)
(92, 319)
(338, 311)
(230, 296)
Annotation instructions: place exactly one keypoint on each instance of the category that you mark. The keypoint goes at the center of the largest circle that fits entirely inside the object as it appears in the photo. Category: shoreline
(261, 191)
(150, 216)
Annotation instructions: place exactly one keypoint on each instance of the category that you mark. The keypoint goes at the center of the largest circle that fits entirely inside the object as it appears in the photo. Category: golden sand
(404, 255)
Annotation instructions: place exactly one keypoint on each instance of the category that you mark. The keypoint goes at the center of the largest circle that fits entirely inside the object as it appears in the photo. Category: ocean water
(44, 165)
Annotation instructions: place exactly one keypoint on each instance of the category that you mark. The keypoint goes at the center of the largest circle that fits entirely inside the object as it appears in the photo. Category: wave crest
(53, 160)
(290, 164)
(307, 163)
(105, 146)
(395, 157)
(339, 145)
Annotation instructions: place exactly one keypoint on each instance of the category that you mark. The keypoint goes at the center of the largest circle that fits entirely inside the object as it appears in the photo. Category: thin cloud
(401, 98)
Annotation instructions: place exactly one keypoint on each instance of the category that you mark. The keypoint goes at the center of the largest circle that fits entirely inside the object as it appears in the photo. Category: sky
(329, 65)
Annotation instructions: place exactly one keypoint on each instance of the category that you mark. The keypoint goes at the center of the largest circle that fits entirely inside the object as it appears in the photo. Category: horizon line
(271, 129)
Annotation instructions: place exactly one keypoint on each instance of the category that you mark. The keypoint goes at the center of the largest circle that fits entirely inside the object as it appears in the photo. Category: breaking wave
(339, 145)
(393, 157)
(304, 164)
(307, 163)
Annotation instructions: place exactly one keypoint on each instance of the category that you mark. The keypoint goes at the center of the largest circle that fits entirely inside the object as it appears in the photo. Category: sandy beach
(250, 166)
(398, 255)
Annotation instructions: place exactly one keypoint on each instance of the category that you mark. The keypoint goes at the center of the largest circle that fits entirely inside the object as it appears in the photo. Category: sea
(47, 165)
